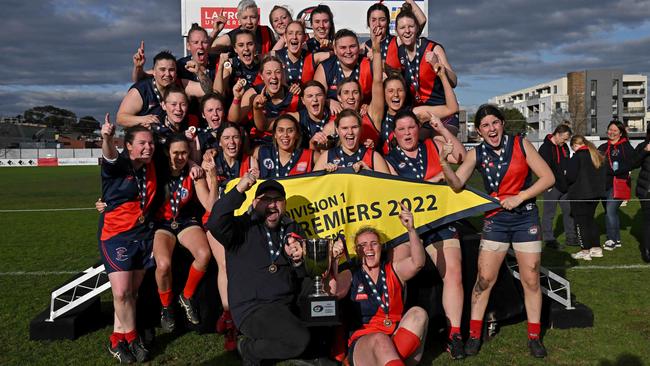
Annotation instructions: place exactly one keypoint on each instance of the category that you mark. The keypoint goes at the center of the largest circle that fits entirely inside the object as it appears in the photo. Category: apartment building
(587, 99)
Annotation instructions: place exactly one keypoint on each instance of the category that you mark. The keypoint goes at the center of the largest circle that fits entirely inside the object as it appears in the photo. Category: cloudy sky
(76, 54)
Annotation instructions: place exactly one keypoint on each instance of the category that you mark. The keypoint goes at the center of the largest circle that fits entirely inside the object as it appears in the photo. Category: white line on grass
(49, 209)
(597, 267)
(38, 273)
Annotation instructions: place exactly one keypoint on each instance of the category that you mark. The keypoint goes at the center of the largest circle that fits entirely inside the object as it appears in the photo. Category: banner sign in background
(328, 204)
(347, 14)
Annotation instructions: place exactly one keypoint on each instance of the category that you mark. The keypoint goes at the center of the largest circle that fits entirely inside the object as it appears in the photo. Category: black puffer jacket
(642, 161)
(557, 158)
(585, 181)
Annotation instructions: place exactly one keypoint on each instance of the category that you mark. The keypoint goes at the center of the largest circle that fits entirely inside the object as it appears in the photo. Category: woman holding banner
(421, 161)
(382, 332)
(350, 152)
(505, 162)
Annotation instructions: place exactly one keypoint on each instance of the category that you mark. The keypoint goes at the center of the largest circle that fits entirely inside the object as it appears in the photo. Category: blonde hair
(596, 157)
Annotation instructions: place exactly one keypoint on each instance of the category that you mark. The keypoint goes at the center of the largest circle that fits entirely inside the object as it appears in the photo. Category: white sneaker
(609, 245)
(596, 252)
(581, 255)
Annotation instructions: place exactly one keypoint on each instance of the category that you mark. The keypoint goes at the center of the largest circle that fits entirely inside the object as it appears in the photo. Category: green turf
(65, 241)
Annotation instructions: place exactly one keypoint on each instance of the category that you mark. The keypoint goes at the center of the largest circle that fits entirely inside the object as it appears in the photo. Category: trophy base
(319, 311)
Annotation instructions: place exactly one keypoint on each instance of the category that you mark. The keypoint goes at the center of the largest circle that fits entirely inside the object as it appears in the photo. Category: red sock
(453, 330)
(193, 279)
(130, 336)
(395, 363)
(116, 338)
(165, 297)
(475, 328)
(406, 342)
(533, 330)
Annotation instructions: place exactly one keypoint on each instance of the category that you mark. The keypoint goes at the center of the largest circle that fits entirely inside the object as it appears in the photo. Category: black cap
(270, 185)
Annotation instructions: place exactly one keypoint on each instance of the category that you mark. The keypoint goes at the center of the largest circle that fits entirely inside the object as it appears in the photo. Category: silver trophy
(318, 261)
(319, 307)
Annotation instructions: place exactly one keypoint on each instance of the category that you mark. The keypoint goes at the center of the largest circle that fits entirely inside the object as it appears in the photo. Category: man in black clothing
(264, 263)
(555, 152)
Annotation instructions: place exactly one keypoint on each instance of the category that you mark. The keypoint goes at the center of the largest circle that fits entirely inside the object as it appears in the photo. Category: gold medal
(141, 219)
(388, 322)
(174, 225)
(273, 268)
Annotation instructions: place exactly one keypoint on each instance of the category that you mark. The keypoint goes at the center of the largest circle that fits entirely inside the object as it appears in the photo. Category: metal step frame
(92, 283)
(553, 285)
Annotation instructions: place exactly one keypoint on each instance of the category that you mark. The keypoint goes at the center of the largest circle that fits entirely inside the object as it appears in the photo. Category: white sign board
(347, 14)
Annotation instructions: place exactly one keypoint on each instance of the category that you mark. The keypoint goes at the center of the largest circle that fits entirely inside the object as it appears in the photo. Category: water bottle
(615, 166)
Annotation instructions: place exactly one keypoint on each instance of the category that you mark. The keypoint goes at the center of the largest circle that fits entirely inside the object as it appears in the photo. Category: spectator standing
(643, 192)
(555, 152)
(619, 156)
(586, 186)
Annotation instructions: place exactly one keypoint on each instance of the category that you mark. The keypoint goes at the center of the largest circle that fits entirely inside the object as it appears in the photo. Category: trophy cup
(318, 308)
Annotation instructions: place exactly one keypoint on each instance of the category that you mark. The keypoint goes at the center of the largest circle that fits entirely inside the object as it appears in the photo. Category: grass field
(615, 287)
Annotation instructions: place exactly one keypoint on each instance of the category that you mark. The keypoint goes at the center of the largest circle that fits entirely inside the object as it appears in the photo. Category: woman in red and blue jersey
(285, 157)
(238, 70)
(378, 15)
(248, 18)
(350, 152)
(321, 20)
(299, 63)
(178, 218)
(230, 161)
(506, 164)
(395, 96)
(126, 230)
(416, 58)
(421, 161)
(382, 333)
(264, 103)
(346, 63)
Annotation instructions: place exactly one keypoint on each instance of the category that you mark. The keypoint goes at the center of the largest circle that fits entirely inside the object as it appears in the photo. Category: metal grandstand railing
(91, 282)
(553, 285)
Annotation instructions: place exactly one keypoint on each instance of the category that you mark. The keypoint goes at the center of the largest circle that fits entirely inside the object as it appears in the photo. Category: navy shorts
(183, 223)
(521, 226)
(445, 232)
(120, 255)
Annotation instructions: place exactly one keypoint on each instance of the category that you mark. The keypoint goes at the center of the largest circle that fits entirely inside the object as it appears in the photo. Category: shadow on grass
(624, 359)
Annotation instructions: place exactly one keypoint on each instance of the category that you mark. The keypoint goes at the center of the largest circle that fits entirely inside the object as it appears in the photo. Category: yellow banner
(342, 202)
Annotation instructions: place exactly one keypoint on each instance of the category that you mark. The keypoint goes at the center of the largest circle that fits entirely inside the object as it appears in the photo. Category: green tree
(61, 119)
(515, 121)
(86, 125)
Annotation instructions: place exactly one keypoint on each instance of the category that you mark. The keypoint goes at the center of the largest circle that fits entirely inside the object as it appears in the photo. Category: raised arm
(108, 145)
(419, 14)
(376, 108)
(442, 58)
(339, 282)
(130, 107)
(409, 266)
(222, 76)
(456, 180)
(445, 137)
(237, 112)
(222, 224)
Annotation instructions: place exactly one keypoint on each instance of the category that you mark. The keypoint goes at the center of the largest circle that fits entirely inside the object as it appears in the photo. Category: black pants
(586, 227)
(645, 208)
(274, 333)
